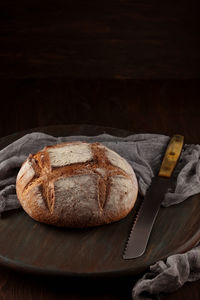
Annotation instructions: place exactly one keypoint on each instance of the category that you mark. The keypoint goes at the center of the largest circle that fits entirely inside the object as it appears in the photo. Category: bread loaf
(76, 184)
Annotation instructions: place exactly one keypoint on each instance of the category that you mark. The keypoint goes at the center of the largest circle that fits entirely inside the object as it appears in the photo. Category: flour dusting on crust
(117, 161)
(77, 195)
(26, 173)
(70, 154)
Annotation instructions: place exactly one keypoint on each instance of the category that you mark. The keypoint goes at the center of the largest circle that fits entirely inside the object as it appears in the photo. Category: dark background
(127, 64)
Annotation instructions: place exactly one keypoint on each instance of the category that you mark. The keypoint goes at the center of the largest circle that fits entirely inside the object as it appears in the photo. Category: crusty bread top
(90, 176)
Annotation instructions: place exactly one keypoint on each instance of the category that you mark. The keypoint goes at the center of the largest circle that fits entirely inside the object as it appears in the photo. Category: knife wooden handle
(171, 156)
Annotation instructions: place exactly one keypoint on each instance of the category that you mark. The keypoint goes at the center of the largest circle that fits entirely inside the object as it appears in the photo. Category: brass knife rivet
(172, 153)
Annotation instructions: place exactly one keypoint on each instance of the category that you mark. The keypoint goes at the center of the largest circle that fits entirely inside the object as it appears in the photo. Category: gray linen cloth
(144, 152)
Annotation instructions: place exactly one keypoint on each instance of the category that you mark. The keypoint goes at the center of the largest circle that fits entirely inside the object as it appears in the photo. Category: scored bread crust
(76, 184)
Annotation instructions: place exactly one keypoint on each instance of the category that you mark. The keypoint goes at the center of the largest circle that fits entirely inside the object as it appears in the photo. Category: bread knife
(148, 211)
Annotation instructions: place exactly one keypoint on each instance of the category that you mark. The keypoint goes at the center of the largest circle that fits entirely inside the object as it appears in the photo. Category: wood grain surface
(159, 106)
(100, 39)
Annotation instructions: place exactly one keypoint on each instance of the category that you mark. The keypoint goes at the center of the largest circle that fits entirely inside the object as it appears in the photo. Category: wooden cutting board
(34, 247)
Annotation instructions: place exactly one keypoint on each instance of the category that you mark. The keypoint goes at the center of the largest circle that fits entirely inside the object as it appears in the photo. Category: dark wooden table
(126, 64)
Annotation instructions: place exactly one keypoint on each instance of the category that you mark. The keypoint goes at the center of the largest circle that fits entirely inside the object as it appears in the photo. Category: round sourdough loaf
(76, 184)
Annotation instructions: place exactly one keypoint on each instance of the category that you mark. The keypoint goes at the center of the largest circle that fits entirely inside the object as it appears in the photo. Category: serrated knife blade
(148, 211)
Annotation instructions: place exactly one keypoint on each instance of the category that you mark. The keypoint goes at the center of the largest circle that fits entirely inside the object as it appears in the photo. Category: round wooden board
(34, 247)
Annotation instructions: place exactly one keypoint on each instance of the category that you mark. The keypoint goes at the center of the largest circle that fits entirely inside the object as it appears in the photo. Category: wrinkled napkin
(144, 152)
